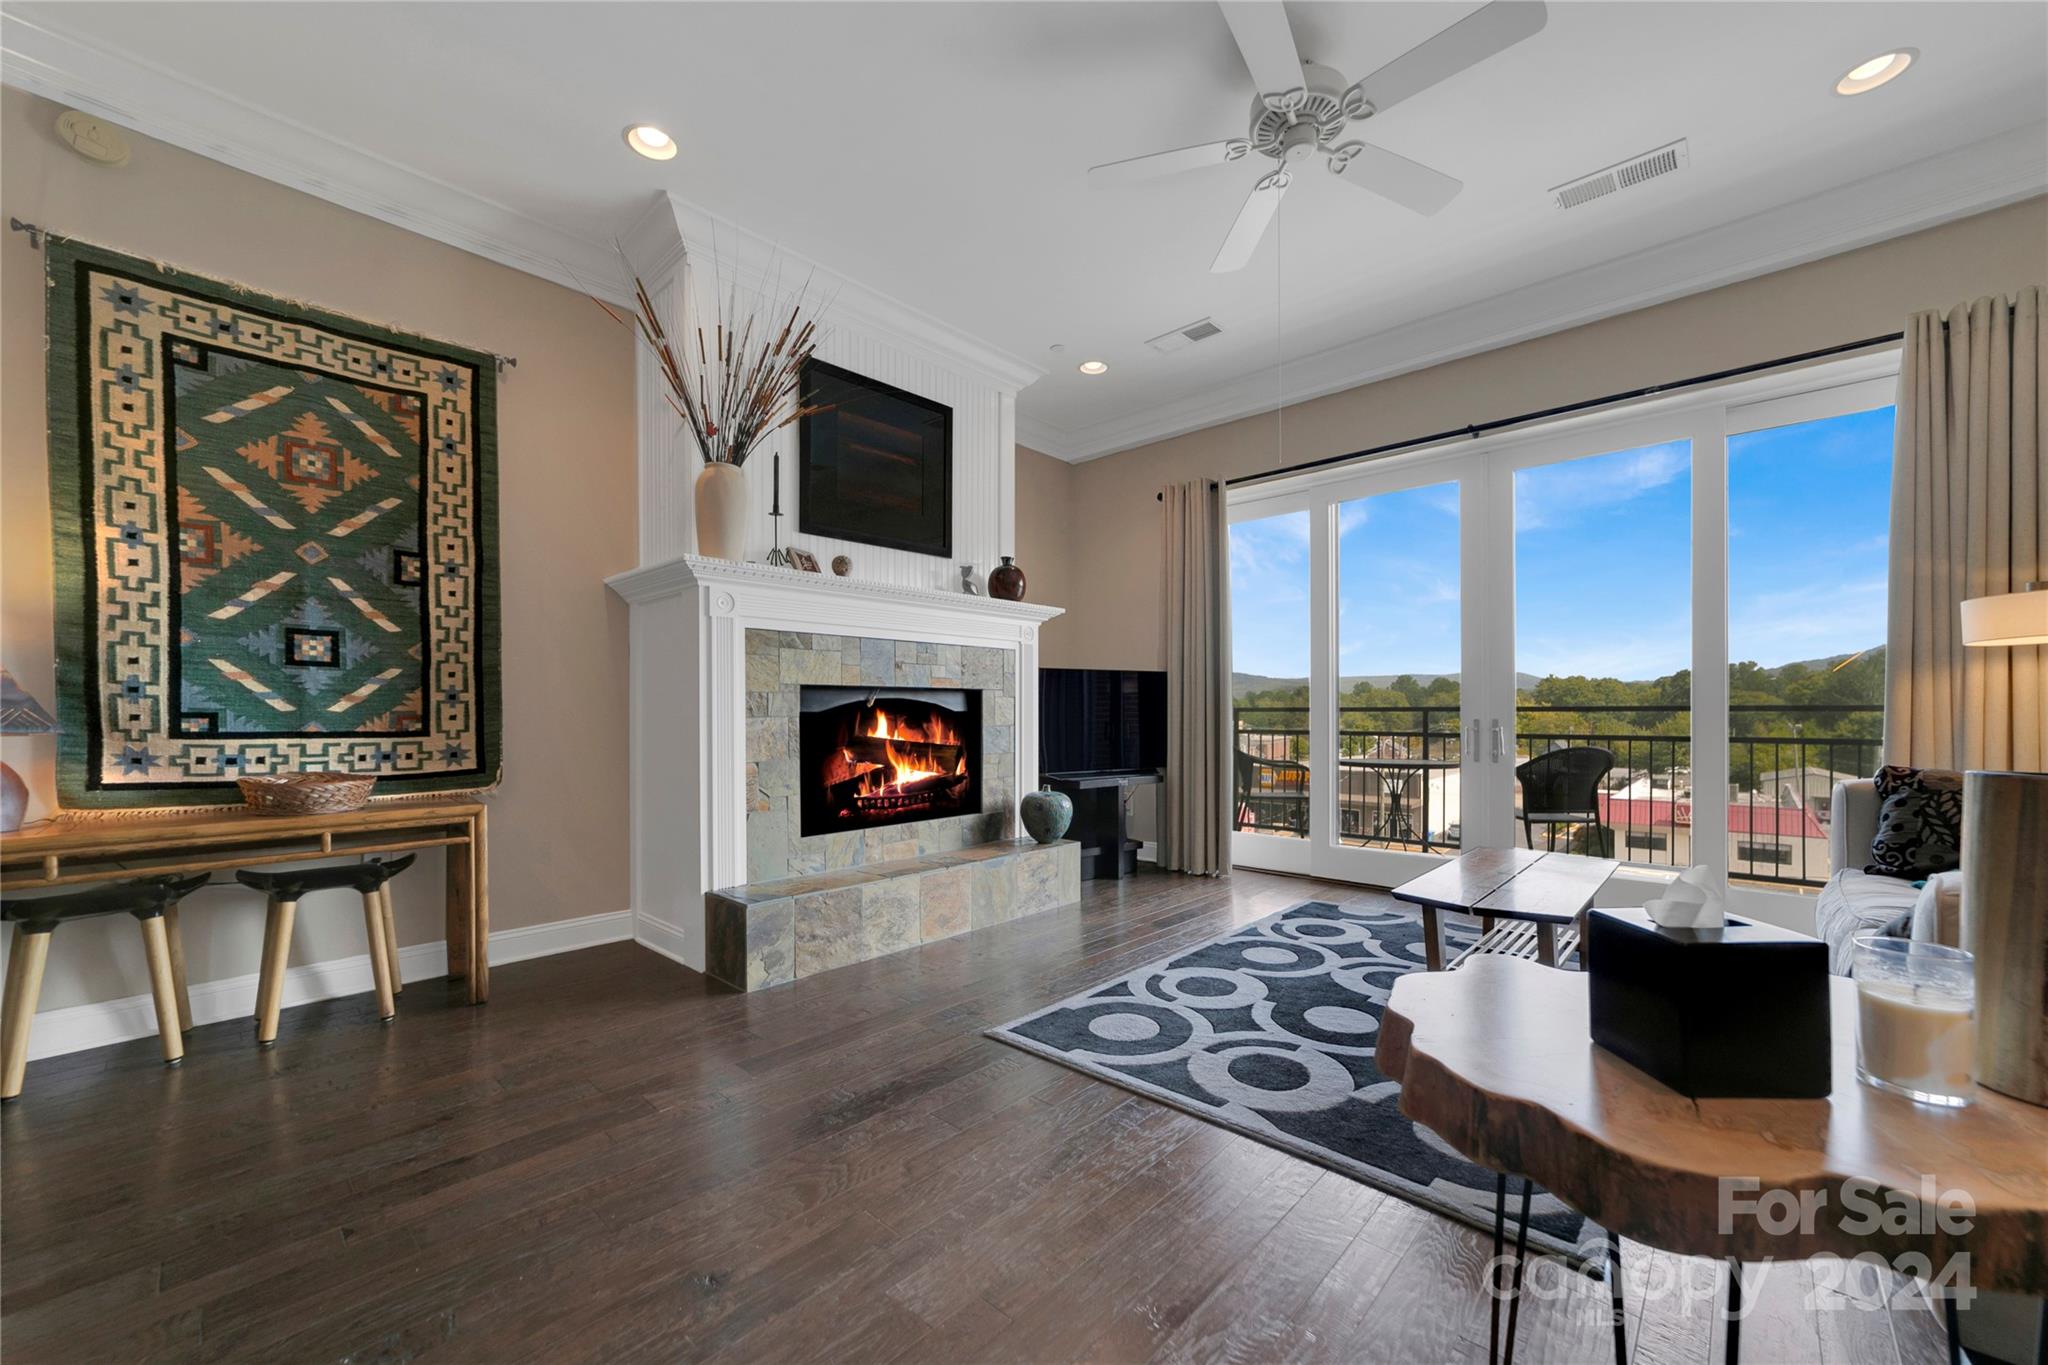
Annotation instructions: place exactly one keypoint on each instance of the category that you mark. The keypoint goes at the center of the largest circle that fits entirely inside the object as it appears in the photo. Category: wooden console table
(69, 852)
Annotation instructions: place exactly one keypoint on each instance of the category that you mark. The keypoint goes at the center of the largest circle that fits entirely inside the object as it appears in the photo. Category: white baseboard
(78, 1027)
(662, 938)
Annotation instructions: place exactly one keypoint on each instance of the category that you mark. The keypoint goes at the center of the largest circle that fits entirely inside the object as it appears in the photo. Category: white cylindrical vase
(721, 511)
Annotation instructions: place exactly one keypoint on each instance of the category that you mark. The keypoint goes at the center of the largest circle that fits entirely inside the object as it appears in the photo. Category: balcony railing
(1397, 784)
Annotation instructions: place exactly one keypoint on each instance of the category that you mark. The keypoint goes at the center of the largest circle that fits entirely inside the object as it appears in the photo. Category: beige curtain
(1195, 834)
(1969, 519)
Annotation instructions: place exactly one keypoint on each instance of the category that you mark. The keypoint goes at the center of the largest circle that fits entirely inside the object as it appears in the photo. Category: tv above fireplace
(874, 463)
(869, 757)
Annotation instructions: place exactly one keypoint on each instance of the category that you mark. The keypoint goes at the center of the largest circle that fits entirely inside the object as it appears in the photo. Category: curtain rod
(36, 235)
(1479, 429)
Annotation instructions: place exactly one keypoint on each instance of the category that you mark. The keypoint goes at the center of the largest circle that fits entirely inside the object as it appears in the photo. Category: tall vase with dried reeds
(734, 384)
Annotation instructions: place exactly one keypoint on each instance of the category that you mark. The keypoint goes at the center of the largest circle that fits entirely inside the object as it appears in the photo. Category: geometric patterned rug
(276, 541)
(1271, 1030)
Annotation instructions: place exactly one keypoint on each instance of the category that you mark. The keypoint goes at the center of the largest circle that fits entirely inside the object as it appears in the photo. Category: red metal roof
(1629, 812)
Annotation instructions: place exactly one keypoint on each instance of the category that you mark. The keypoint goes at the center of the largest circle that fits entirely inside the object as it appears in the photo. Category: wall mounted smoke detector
(97, 141)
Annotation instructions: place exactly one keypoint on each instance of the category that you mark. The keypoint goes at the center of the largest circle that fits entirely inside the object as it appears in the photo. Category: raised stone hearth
(770, 933)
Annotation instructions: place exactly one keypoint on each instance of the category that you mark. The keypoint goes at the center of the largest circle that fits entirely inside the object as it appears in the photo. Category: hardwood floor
(614, 1160)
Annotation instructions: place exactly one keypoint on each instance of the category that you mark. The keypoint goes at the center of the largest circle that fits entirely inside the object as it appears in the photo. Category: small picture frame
(803, 559)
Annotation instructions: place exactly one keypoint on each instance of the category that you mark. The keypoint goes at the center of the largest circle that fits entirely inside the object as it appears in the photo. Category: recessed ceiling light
(1093, 367)
(650, 142)
(1875, 72)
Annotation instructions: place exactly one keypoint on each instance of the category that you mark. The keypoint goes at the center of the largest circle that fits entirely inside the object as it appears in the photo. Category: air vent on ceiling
(1167, 342)
(1626, 175)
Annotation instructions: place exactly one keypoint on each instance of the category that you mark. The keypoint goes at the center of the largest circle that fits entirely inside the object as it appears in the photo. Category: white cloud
(1565, 494)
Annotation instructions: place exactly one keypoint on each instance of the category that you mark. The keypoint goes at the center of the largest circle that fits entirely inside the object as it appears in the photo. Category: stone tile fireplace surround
(720, 652)
(781, 662)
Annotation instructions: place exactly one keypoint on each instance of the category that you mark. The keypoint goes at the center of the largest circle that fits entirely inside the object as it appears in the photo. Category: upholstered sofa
(1855, 902)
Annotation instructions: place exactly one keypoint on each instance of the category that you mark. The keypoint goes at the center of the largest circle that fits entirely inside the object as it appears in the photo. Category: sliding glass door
(1271, 555)
(1350, 637)
(1654, 636)
(1603, 650)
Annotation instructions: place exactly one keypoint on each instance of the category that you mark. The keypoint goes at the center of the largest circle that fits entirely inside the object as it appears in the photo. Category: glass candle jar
(1916, 1019)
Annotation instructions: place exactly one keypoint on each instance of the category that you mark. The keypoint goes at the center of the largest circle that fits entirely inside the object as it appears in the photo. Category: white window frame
(1706, 417)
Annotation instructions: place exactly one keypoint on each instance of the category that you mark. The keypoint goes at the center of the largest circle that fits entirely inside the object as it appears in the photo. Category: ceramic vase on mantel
(721, 511)
(1006, 581)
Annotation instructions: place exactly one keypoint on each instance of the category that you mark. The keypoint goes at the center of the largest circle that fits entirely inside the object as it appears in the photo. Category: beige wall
(566, 514)
(1114, 547)
(1045, 513)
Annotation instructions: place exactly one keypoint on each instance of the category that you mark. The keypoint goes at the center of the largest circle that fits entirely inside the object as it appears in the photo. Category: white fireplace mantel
(690, 618)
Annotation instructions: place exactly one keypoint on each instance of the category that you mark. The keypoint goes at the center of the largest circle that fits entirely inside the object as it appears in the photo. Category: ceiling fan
(1306, 107)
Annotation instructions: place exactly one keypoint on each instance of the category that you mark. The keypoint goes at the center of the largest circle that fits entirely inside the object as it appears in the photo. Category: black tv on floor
(1101, 720)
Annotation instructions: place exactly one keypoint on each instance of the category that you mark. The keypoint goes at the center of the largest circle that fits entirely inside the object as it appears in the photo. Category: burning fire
(911, 753)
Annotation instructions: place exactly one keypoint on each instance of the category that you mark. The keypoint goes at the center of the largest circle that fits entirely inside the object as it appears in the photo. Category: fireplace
(874, 756)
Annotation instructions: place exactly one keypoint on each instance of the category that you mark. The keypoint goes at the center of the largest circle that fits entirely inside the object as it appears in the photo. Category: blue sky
(1602, 562)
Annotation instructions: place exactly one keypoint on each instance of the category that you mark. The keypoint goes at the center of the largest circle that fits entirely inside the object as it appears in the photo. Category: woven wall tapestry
(276, 541)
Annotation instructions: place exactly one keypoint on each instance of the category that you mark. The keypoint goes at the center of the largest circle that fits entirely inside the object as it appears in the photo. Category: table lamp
(2005, 878)
(20, 714)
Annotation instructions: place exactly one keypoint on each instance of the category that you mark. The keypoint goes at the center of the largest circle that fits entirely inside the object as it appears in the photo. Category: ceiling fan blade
(1267, 42)
(1410, 184)
(1252, 220)
(1468, 42)
(1166, 163)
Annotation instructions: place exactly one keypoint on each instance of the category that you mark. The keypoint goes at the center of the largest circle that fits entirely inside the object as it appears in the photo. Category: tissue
(1694, 901)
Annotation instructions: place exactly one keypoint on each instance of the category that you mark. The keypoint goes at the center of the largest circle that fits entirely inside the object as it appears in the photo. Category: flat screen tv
(874, 463)
(1101, 720)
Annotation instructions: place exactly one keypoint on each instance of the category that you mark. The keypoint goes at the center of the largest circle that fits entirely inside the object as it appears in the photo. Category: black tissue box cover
(1740, 1011)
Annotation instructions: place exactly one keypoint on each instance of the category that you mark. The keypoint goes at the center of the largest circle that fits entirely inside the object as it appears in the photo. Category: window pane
(1809, 514)
(1603, 654)
(1398, 651)
(1269, 629)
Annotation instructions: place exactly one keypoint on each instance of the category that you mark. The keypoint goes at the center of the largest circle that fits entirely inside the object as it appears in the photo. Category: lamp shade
(2013, 618)
(21, 714)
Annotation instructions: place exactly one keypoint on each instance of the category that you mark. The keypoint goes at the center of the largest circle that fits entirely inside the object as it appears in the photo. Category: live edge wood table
(1541, 896)
(102, 849)
(1497, 1059)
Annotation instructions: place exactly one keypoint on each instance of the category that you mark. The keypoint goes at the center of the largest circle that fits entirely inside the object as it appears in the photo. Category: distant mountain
(1817, 665)
(1244, 684)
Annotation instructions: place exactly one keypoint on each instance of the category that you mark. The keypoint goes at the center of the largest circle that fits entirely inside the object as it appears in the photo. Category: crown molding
(134, 93)
(1974, 179)
(137, 94)
(724, 250)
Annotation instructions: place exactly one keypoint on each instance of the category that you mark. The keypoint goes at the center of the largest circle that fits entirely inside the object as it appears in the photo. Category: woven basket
(306, 793)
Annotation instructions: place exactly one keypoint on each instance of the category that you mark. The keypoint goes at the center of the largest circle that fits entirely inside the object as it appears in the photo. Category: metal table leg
(1733, 1354)
(1515, 1282)
(1614, 1297)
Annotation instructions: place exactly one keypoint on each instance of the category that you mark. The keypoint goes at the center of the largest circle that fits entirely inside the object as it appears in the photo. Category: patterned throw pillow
(1919, 822)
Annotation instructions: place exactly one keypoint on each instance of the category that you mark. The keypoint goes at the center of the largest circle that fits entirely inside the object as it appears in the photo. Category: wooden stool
(153, 902)
(370, 880)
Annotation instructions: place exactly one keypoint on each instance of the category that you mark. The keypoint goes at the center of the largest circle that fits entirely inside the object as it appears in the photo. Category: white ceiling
(935, 153)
